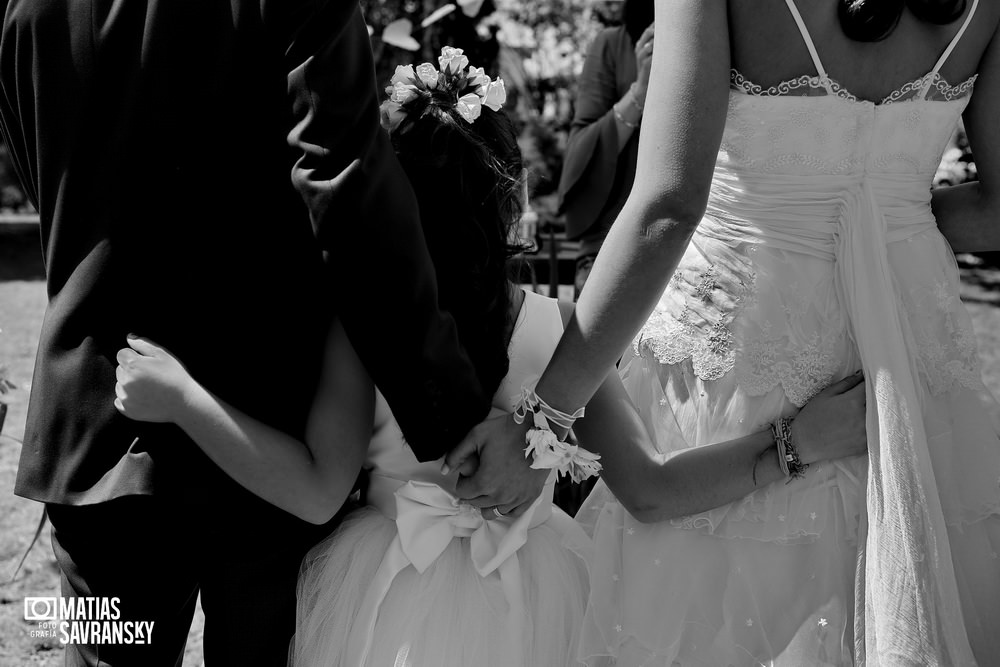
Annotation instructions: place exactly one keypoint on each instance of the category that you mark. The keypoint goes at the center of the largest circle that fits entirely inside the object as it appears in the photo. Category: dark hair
(468, 182)
(636, 17)
(874, 20)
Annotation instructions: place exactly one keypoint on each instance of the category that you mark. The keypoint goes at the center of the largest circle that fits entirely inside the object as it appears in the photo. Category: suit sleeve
(365, 216)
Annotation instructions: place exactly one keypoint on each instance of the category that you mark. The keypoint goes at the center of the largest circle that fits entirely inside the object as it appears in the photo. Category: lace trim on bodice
(932, 81)
(788, 87)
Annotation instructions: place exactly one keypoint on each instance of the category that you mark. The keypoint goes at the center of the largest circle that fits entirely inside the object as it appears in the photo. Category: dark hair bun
(874, 20)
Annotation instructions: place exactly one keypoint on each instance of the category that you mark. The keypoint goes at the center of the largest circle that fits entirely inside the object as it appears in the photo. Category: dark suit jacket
(168, 146)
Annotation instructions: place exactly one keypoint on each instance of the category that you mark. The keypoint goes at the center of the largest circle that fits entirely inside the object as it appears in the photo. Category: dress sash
(908, 610)
(911, 612)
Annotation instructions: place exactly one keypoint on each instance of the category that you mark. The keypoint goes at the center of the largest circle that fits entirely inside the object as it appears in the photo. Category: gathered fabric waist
(811, 213)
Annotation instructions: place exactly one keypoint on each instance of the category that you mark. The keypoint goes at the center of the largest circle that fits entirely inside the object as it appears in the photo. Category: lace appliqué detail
(801, 368)
(676, 339)
(698, 330)
(946, 346)
(770, 332)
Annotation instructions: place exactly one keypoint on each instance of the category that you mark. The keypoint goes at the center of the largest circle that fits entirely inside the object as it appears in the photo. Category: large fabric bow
(428, 518)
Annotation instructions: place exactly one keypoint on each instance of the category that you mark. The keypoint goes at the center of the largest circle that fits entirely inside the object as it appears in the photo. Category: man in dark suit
(156, 138)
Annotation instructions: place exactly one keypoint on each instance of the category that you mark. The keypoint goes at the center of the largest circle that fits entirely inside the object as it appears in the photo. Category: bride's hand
(832, 424)
(152, 385)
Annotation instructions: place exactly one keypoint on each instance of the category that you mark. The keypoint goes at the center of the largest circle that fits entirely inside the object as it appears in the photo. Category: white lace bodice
(801, 166)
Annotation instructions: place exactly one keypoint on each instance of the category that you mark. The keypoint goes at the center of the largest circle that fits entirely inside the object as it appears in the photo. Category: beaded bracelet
(621, 119)
(788, 457)
(633, 96)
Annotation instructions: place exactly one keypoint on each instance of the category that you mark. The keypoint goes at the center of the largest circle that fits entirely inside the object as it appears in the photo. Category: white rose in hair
(478, 79)
(496, 95)
(452, 61)
(391, 115)
(403, 74)
(428, 74)
(403, 92)
(469, 107)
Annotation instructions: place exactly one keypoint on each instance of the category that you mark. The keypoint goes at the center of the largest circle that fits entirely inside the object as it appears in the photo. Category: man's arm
(365, 216)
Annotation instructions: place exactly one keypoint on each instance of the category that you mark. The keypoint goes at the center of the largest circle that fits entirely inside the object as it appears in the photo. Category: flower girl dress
(818, 255)
(418, 578)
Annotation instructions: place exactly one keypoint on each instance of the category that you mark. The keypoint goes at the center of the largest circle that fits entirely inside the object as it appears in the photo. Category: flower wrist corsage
(545, 448)
(788, 455)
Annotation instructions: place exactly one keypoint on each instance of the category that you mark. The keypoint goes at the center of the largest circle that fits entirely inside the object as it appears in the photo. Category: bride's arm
(309, 479)
(969, 215)
(682, 128)
(683, 120)
(830, 426)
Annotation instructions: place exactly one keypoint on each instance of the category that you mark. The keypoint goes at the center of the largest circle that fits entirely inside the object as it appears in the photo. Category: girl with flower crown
(417, 577)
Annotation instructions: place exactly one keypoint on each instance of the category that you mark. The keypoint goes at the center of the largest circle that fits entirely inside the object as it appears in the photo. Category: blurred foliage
(957, 165)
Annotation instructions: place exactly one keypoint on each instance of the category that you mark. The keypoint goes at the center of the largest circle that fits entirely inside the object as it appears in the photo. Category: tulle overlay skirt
(449, 616)
(770, 579)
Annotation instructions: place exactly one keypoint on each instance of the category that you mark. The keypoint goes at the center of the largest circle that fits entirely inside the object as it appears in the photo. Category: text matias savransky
(85, 620)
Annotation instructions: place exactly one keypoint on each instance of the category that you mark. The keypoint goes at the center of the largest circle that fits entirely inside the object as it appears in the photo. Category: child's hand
(152, 384)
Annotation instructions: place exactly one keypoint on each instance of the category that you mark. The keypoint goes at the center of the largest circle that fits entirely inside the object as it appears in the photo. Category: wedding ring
(497, 513)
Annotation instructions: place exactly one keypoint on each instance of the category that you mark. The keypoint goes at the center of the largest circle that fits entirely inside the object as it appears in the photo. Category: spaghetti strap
(947, 51)
(820, 70)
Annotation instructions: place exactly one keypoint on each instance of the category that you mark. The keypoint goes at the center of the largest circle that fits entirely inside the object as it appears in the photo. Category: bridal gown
(420, 579)
(818, 255)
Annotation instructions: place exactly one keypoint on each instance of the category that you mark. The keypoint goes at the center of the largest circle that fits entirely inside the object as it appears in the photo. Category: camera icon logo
(40, 609)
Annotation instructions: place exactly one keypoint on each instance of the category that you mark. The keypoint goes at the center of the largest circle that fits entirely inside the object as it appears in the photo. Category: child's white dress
(420, 579)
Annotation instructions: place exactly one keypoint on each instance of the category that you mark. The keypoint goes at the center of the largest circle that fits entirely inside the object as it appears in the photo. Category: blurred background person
(599, 165)
(608, 12)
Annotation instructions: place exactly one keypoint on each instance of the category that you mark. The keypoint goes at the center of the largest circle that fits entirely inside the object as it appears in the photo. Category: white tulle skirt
(448, 616)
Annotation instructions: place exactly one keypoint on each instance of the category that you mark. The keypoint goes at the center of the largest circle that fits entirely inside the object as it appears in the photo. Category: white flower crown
(470, 87)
